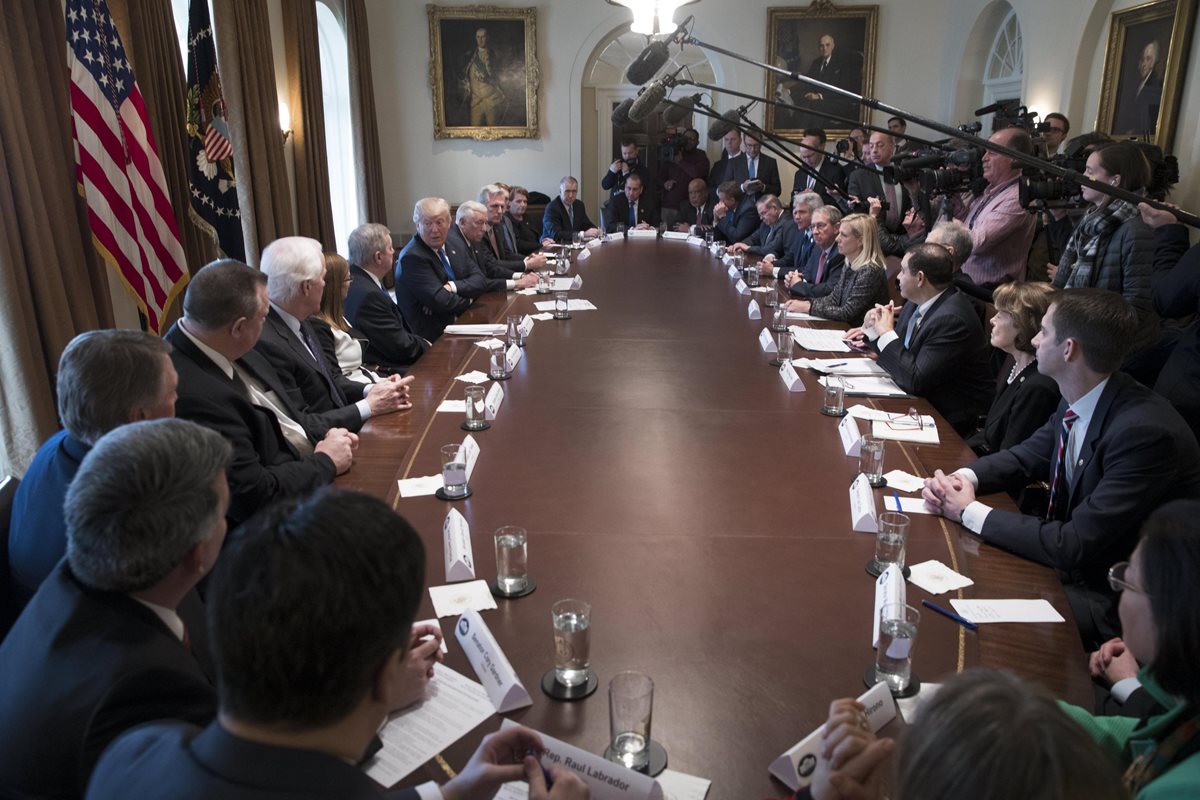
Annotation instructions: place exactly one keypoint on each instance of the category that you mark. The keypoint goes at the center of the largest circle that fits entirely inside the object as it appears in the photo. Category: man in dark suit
(293, 720)
(837, 68)
(774, 234)
(106, 378)
(391, 343)
(813, 156)
(295, 270)
(821, 267)
(1139, 114)
(697, 211)
(500, 237)
(1112, 453)
(735, 216)
(429, 292)
(619, 171)
(116, 637)
(278, 451)
(937, 348)
(731, 166)
(879, 182)
(632, 208)
(474, 261)
(762, 172)
(566, 215)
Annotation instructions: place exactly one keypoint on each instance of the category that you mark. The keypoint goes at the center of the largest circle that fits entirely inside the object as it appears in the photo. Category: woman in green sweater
(1160, 622)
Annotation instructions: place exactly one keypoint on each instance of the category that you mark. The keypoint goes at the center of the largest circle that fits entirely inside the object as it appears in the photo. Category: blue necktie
(752, 168)
(913, 322)
(633, 215)
(446, 263)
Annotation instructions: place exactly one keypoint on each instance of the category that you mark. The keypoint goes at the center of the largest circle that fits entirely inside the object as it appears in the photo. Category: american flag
(117, 167)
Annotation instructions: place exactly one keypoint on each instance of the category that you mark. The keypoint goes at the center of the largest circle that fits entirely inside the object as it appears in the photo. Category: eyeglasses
(910, 421)
(1116, 579)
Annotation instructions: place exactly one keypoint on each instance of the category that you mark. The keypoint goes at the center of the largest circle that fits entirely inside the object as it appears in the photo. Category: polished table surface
(665, 475)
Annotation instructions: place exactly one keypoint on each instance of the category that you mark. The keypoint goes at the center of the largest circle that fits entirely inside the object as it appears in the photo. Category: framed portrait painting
(483, 70)
(1144, 66)
(829, 44)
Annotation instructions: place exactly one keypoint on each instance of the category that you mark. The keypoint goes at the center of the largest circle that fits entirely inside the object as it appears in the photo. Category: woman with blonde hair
(864, 278)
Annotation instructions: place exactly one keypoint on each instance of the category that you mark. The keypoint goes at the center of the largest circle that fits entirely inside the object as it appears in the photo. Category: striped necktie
(1058, 488)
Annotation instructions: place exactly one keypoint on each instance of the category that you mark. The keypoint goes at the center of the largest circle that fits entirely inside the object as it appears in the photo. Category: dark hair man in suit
(1112, 453)
(115, 636)
(307, 678)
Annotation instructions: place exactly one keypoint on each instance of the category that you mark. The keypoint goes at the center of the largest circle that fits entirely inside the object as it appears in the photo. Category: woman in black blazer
(1025, 398)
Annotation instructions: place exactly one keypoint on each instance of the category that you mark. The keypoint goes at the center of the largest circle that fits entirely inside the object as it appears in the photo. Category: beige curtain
(314, 211)
(243, 33)
(52, 284)
(367, 163)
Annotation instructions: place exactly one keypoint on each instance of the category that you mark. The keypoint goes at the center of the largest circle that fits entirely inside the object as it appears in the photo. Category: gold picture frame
(1136, 102)
(483, 88)
(794, 42)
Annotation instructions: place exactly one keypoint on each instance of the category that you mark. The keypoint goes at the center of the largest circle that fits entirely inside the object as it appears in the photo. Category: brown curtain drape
(52, 284)
(243, 32)
(367, 163)
(314, 211)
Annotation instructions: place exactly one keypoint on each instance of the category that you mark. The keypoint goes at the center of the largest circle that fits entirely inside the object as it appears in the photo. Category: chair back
(8, 596)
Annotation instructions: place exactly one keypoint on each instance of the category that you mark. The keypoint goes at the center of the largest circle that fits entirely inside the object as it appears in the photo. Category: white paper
(495, 671)
(762, 289)
(862, 506)
(741, 287)
(453, 706)
(926, 434)
(566, 284)
(593, 769)
(697, 240)
(983, 611)
(889, 590)
(908, 505)
(452, 407)
(819, 339)
(642, 233)
(851, 436)
(572, 305)
(530, 292)
(787, 373)
(419, 487)
(678, 786)
(592, 244)
(870, 386)
(455, 598)
(937, 578)
(903, 481)
(767, 342)
(470, 454)
(842, 366)
(541, 317)
(676, 236)
(800, 315)
(491, 402)
(753, 311)
(475, 376)
(795, 766)
(859, 411)
(482, 329)
(456, 536)
(488, 344)
(434, 622)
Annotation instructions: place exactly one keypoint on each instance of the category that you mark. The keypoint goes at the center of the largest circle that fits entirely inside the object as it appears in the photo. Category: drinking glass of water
(897, 639)
(870, 460)
(512, 559)
(572, 641)
(630, 708)
(891, 539)
(454, 470)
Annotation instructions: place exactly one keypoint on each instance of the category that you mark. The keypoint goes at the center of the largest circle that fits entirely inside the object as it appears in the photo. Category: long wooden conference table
(666, 475)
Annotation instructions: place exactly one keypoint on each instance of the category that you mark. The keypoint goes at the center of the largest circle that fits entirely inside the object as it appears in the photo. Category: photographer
(675, 174)
(628, 164)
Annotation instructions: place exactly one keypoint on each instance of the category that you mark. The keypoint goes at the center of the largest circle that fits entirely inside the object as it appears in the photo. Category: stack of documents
(819, 339)
(871, 386)
(841, 366)
(476, 330)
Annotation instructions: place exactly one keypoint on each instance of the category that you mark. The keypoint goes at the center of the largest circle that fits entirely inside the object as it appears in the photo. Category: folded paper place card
(851, 436)
(676, 236)
(475, 376)
(698, 240)
(767, 342)
(491, 403)
(642, 233)
(741, 287)
(889, 590)
(460, 566)
(526, 326)
(904, 481)
(512, 357)
(796, 766)
(984, 611)
(455, 598)
(470, 450)
(452, 407)
(419, 487)
(790, 378)
(862, 506)
(733, 271)
(480, 329)
(584, 255)
(937, 578)
(753, 311)
(494, 670)
(593, 244)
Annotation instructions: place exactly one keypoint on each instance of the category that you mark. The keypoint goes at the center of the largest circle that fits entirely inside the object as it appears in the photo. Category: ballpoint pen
(945, 612)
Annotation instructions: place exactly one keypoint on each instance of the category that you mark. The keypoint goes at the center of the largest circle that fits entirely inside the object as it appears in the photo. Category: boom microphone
(647, 101)
(648, 62)
(679, 110)
(727, 122)
(620, 114)
(979, 112)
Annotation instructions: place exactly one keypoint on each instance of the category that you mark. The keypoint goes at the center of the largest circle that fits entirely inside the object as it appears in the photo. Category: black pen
(945, 612)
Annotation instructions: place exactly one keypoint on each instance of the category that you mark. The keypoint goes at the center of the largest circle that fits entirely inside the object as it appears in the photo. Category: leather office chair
(8, 602)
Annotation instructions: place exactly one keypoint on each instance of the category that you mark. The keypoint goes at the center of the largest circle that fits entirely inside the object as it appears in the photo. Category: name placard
(889, 588)
(512, 357)
(642, 233)
(526, 326)
(851, 437)
(697, 240)
(753, 311)
(741, 287)
(796, 765)
(497, 675)
(593, 244)
(733, 271)
(577, 283)
(862, 506)
(586, 253)
(470, 454)
(767, 342)
(491, 403)
(787, 373)
(607, 780)
(676, 236)
(456, 533)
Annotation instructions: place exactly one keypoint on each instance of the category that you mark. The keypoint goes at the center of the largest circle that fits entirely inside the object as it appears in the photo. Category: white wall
(923, 45)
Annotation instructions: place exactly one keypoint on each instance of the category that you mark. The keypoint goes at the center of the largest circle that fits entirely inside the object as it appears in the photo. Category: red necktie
(820, 268)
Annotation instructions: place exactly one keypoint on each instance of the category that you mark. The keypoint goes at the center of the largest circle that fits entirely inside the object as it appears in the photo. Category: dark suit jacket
(557, 225)
(768, 173)
(1019, 409)
(420, 288)
(946, 362)
(727, 169)
(391, 342)
(468, 260)
(265, 468)
(1176, 293)
(307, 387)
(810, 287)
(614, 183)
(177, 761)
(775, 238)
(687, 213)
(1137, 455)
(617, 212)
(739, 224)
(831, 171)
(81, 667)
(864, 183)
(37, 536)
(529, 238)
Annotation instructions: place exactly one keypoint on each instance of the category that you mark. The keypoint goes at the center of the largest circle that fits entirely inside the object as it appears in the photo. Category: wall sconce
(651, 17)
(285, 120)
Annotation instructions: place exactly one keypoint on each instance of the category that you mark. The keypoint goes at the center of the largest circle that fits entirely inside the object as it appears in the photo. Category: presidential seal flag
(212, 183)
(117, 167)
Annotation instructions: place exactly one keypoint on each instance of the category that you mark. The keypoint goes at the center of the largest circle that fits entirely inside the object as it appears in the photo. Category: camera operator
(1001, 230)
(620, 169)
(677, 173)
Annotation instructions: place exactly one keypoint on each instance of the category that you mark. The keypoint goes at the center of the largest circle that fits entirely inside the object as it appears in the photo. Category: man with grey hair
(116, 635)
(498, 256)
(467, 241)
(821, 269)
(794, 250)
(430, 290)
(106, 378)
(565, 215)
(295, 270)
(956, 238)
(392, 343)
(773, 235)
(278, 451)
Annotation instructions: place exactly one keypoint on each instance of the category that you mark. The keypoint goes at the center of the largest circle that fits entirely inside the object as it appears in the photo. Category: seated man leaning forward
(1112, 453)
(306, 680)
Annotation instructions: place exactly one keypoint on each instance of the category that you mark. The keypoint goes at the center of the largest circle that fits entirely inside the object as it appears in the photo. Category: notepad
(819, 339)
(487, 329)
(869, 386)
(984, 611)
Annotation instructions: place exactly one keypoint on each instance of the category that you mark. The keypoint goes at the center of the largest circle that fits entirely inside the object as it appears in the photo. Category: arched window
(1005, 71)
(339, 139)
